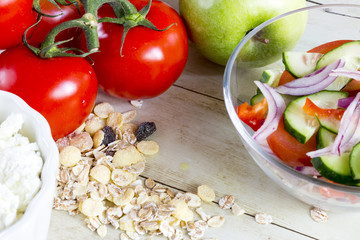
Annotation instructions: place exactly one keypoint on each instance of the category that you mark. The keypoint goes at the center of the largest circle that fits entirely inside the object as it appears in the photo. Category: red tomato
(62, 89)
(15, 17)
(290, 150)
(152, 61)
(253, 116)
(47, 23)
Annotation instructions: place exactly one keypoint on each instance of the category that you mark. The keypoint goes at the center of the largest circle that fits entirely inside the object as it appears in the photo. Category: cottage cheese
(20, 167)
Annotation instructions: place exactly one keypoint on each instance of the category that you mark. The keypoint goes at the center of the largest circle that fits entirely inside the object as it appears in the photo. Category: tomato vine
(126, 15)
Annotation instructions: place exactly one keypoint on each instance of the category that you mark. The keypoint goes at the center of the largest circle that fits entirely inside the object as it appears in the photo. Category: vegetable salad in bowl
(299, 117)
(315, 102)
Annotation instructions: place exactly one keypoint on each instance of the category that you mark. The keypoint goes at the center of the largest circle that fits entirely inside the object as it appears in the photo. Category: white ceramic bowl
(34, 224)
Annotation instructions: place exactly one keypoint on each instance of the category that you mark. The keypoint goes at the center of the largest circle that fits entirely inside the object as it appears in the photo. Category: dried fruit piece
(263, 218)
(115, 120)
(216, 221)
(127, 156)
(82, 141)
(144, 130)
(226, 202)
(318, 215)
(206, 193)
(148, 147)
(124, 198)
(103, 109)
(69, 156)
(91, 208)
(100, 173)
(104, 136)
(62, 142)
(122, 178)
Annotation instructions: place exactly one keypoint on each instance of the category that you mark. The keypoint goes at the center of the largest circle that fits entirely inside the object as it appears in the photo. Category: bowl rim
(49, 168)
(239, 124)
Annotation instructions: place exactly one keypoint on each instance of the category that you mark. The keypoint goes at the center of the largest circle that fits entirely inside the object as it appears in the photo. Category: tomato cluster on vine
(135, 62)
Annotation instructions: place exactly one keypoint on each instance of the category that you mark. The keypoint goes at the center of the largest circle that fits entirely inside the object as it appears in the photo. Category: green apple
(217, 26)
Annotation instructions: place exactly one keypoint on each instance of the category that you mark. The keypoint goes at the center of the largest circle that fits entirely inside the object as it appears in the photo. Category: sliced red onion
(354, 137)
(345, 102)
(344, 72)
(348, 134)
(276, 107)
(313, 82)
(347, 125)
(307, 170)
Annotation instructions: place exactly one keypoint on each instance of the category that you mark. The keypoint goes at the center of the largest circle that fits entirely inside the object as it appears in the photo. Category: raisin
(110, 153)
(144, 130)
(109, 135)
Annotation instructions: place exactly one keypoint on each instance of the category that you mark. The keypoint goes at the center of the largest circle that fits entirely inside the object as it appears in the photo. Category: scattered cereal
(216, 221)
(102, 231)
(206, 193)
(82, 141)
(103, 109)
(127, 156)
(100, 173)
(115, 120)
(137, 103)
(227, 202)
(69, 156)
(98, 178)
(94, 124)
(91, 208)
(237, 210)
(318, 215)
(148, 147)
(129, 116)
(263, 218)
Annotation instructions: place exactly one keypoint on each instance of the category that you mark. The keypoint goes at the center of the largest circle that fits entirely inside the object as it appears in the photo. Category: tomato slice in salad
(253, 116)
(290, 150)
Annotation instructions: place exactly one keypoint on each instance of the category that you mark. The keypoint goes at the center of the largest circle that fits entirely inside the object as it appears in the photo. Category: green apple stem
(258, 37)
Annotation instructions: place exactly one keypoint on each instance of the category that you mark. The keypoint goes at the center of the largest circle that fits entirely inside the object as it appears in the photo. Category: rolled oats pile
(99, 177)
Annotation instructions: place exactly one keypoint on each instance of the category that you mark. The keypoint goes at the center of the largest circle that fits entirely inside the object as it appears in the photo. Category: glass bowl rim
(239, 125)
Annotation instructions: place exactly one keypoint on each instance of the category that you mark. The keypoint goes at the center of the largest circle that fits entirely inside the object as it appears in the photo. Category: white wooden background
(194, 129)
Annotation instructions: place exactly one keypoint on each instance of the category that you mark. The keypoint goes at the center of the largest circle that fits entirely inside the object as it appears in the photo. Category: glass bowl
(324, 23)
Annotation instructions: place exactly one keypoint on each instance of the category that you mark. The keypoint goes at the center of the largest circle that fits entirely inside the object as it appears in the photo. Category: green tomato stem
(126, 15)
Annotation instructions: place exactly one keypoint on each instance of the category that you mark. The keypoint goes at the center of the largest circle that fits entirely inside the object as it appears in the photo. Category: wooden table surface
(194, 130)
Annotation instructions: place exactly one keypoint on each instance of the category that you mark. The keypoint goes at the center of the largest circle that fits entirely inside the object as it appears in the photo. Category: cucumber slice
(333, 167)
(329, 124)
(256, 99)
(355, 162)
(349, 51)
(303, 126)
(300, 64)
(271, 77)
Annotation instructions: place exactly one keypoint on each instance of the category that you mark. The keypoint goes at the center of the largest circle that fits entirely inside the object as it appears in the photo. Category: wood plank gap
(203, 94)
(314, 2)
